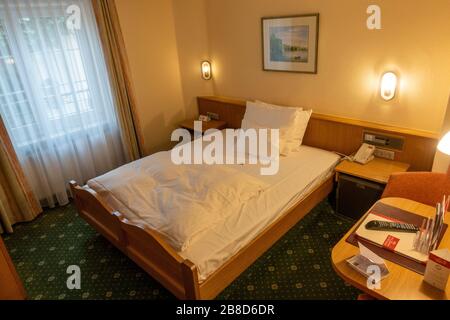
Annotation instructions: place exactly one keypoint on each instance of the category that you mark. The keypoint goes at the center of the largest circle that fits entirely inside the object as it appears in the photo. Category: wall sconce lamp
(206, 70)
(444, 144)
(388, 86)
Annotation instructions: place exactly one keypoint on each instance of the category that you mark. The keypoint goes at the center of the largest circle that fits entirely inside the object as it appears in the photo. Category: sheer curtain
(55, 96)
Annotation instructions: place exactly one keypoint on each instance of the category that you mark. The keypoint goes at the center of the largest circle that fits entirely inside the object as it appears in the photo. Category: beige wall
(165, 40)
(150, 39)
(414, 41)
(192, 41)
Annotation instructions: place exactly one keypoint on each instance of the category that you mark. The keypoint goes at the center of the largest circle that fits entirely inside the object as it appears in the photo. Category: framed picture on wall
(290, 43)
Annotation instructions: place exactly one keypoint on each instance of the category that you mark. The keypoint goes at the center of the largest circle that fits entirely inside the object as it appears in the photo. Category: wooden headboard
(338, 134)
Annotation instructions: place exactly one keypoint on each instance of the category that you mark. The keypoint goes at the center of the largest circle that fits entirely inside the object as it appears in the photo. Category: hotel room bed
(195, 228)
(299, 173)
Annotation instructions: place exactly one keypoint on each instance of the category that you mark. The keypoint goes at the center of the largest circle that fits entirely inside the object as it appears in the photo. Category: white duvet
(208, 213)
(179, 201)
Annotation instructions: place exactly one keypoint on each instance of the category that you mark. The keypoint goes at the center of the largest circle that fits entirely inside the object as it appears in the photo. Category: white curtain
(55, 96)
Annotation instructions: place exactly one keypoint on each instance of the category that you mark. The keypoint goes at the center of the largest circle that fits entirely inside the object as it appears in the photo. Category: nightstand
(213, 124)
(360, 186)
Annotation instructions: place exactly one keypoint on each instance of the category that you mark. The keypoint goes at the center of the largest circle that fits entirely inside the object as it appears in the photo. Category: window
(51, 54)
(55, 96)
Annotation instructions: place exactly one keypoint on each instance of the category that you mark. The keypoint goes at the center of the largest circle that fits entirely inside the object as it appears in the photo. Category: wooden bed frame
(149, 250)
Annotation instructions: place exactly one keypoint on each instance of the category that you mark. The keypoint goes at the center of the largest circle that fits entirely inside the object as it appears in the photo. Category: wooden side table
(360, 186)
(378, 170)
(402, 283)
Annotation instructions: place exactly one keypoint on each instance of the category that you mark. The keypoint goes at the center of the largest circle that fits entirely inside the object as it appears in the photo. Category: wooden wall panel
(230, 110)
(337, 133)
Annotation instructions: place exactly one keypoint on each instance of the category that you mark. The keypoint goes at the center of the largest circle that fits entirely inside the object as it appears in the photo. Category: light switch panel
(383, 140)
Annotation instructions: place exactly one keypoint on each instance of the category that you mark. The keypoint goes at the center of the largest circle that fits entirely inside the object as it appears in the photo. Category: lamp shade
(441, 159)
(444, 144)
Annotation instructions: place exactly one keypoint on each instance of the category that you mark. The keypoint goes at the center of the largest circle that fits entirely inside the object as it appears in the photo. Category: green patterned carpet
(297, 267)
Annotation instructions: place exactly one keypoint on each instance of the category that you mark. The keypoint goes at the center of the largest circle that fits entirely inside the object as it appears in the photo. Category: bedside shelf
(213, 124)
(378, 170)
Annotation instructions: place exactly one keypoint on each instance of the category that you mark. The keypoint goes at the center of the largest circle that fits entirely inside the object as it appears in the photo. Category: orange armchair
(424, 187)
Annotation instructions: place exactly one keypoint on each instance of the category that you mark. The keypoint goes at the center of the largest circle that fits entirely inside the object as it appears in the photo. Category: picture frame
(290, 43)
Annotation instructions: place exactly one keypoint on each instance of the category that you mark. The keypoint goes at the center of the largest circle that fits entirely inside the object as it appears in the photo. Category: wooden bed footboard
(141, 244)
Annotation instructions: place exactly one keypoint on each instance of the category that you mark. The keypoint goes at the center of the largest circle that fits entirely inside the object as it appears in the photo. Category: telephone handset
(204, 118)
(364, 154)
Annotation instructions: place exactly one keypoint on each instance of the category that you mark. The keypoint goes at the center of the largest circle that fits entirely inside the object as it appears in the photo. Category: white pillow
(268, 116)
(298, 133)
(259, 116)
(282, 147)
(274, 106)
(293, 137)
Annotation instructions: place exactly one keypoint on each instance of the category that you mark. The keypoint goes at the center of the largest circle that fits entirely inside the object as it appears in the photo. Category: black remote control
(391, 226)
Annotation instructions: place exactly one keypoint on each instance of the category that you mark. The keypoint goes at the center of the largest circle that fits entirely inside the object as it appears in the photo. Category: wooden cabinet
(355, 196)
(11, 287)
(360, 186)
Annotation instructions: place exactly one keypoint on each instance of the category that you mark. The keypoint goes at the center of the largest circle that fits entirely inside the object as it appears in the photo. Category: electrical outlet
(213, 116)
(385, 154)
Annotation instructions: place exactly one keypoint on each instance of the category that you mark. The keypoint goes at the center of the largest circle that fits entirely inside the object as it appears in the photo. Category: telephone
(204, 118)
(364, 154)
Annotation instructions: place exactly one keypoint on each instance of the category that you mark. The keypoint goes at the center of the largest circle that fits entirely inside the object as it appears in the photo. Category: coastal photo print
(290, 43)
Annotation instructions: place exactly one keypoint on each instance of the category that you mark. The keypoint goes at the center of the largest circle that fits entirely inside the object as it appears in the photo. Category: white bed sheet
(299, 174)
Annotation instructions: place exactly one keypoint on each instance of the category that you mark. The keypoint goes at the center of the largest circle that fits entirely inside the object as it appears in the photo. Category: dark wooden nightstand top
(213, 124)
(378, 170)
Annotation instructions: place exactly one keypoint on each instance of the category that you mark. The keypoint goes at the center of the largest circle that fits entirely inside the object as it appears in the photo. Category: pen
(420, 237)
(423, 247)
